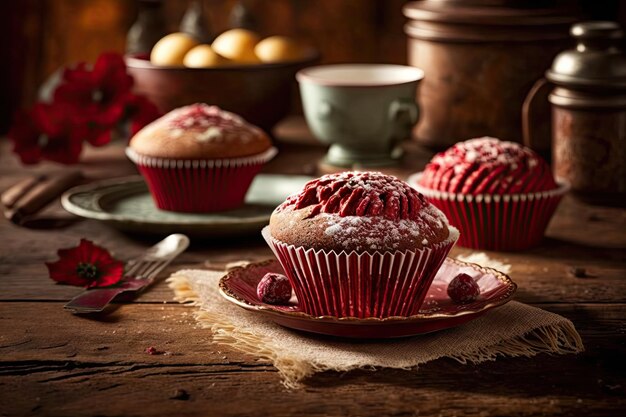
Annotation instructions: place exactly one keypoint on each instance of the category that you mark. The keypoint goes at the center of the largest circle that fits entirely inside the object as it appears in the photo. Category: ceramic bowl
(242, 89)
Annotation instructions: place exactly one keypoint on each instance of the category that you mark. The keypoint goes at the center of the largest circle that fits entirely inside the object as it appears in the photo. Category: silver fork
(139, 273)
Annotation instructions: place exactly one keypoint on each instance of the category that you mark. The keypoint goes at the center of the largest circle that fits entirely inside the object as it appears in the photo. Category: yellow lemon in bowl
(203, 56)
(278, 49)
(237, 45)
(171, 49)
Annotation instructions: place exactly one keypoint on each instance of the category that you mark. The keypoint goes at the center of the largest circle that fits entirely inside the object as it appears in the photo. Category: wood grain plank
(81, 366)
(488, 391)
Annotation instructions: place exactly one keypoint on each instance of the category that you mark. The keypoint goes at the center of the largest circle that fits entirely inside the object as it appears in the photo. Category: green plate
(126, 204)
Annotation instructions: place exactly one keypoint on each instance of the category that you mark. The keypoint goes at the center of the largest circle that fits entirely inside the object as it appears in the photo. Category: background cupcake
(500, 194)
(199, 158)
(359, 244)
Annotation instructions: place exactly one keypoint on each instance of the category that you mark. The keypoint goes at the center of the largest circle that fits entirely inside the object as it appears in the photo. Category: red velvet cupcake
(199, 158)
(501, 195)
(359, 244)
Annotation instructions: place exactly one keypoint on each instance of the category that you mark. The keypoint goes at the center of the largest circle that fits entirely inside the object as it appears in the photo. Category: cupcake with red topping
(199, 158)
(359, 244)
(501, 195)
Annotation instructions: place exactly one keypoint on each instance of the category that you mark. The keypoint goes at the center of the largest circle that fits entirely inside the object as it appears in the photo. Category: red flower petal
(63, 271)
(110, 274)
(64, 150)
(25, 137)
(54, 120)
(92, 253)
(77, 92)
(88, 104)
(89, 252)
(109, 114)
(45, 133)
(80, 73)
(110, 73)
(141, 112)
(97, 96)
(100, 138)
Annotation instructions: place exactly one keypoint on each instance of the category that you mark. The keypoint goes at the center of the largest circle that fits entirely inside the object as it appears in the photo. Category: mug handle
(400, 106)
(537, 136)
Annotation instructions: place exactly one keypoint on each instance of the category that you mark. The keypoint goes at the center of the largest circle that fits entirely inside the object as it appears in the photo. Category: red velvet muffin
(199, 158)
(501, 195)
(359, 244)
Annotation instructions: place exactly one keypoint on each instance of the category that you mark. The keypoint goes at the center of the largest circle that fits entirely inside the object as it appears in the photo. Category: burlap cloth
(514, 329)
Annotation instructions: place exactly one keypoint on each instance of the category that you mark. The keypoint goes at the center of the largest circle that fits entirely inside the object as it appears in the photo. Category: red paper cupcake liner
(199, 186)
(380, 284)
(496, 222)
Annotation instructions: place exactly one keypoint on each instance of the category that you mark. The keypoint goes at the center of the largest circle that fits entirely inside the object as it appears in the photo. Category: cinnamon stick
(37, 194)
(11, 195)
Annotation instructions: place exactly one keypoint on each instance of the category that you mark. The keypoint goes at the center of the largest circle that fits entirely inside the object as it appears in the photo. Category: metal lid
(486, 20)
(597, 63)
(477, 13)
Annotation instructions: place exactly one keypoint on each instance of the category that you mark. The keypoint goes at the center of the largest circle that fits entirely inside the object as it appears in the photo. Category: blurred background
(39, 36)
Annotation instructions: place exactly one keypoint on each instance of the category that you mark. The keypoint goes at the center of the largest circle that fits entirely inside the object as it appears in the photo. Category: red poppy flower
(88, 105)
(98, 95)
(86, 265)
(46, 132)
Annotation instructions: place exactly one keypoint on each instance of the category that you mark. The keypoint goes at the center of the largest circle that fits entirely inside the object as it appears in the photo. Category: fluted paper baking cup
(506, 222)
(360, 284)
(199, 186)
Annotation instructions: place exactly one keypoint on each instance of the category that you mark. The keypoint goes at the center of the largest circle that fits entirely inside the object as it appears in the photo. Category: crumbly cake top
(200, 131)
(208, 124)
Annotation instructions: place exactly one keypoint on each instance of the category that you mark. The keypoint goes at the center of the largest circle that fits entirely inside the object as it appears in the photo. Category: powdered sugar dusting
(212, 132)
(484, 150)
(374, 233)
(488, 166)
(368, 233)
(176, 133)
(209, 124)
(335, 229)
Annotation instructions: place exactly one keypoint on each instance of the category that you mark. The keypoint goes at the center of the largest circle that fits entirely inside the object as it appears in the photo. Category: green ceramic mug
(362, 110)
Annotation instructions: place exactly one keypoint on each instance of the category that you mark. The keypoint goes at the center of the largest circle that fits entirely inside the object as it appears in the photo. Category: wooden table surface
(54, 363)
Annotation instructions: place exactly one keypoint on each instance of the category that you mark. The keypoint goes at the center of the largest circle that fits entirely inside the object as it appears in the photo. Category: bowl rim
(139, 62)
(307, 75)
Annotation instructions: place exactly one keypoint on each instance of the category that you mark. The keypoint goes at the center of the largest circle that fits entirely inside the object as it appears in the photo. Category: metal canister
(589, 113)
(480, 58)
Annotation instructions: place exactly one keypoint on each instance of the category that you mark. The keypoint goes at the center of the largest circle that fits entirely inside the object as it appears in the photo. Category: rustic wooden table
(54, 363)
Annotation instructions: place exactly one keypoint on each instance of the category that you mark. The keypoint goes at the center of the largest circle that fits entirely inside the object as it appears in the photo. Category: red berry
(153, 351)
(463, 289)
(274, 289)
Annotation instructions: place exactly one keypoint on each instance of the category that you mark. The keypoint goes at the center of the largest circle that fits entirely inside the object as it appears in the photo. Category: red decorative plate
(437, 313)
